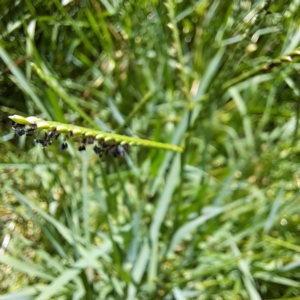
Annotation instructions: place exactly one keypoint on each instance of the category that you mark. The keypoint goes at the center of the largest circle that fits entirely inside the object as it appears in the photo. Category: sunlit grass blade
(273, 213)
(188, 227)
(85, 197)
(55, 287)
(159, 216)
(244, 268)
(23, 82)
(24, 267)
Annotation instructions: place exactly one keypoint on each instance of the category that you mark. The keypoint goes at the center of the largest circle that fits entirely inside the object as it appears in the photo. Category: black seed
(33, 126)
(20, 132)
(121, 151)
(114, 153)
(30, 131)
(103, 144)
(51, 134)
(19, 129)
(46, 140)
(97, 149)
(17, 126)
(64, 146)
(42, 142)
(114, 149)
(82, 148)
(117, 150)
(271, 65)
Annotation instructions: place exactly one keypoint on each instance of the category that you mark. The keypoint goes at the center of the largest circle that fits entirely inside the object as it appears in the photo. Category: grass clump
(218, 220)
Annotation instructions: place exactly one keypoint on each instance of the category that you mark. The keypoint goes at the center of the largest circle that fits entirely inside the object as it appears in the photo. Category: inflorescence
(104, 142)
(101, 148)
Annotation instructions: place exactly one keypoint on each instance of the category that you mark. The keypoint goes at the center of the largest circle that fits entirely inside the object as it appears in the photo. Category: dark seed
(17, 126)
(64, 146)
(117, 150)
(33, 126)
(270, 66)
(19, 129)
(46, 140)
(51, 134)
(121, 151)
(30, 131)
(82, 148)
(114, 153)
(97, 149)
(20, 132)
(42, 142)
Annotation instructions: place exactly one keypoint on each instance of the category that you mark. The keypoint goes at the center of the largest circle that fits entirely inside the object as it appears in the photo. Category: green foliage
(217, 221)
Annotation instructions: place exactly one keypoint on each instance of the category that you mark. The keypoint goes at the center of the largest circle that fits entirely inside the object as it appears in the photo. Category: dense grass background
(220, 221)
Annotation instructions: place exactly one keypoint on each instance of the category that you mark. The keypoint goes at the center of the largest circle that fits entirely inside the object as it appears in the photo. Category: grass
(218, 221)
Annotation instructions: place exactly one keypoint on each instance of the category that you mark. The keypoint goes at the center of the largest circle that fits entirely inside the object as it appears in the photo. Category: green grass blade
(55, 287)
(85, 199)
(244, 268)
(24, 267)
(274, 212)
(240, 103)
(178, 294)
(188, 227)
(176, 138)
(57, 88)
(23, 82)
(159, 216)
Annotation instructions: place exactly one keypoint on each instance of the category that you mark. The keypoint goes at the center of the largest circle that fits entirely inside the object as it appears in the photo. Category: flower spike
(109, 143)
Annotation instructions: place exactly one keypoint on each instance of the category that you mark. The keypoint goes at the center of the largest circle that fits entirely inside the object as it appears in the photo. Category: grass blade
(23, 82)
(159, 216)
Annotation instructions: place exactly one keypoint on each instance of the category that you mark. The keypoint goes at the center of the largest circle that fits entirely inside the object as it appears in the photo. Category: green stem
(174, 28)
(263, 68)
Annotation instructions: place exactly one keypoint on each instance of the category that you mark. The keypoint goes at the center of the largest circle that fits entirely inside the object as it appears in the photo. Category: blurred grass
(221, 221)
